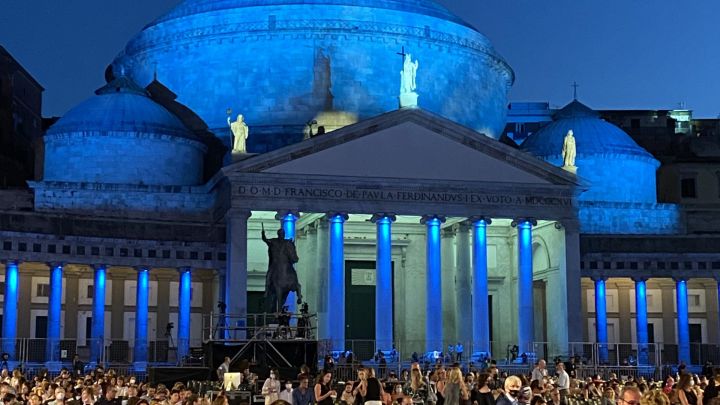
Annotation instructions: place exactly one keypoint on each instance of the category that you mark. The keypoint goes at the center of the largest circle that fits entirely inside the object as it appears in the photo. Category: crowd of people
(438, 385)
(453, 385)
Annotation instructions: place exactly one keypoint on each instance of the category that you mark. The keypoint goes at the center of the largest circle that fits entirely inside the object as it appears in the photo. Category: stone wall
(630, 218)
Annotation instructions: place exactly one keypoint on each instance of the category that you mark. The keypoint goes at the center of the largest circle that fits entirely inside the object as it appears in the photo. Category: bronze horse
(281, 277)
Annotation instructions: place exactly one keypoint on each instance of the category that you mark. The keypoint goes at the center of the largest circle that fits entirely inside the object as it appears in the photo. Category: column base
(54, 366)
(140, 366)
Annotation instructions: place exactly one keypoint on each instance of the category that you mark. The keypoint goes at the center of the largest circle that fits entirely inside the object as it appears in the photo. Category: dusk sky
(623, 53)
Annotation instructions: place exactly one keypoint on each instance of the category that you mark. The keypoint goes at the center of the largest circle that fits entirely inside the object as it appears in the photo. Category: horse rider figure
(281, 277)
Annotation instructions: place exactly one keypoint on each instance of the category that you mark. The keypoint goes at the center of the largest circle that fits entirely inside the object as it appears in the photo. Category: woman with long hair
(372, 391)
(323, 393)
(481, 393)
(454, 390)
(271, 388)
(686, 393)
(416, 388)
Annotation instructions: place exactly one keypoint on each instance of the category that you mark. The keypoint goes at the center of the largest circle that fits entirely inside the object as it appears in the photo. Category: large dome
(617, 168)
(122, 136)
(282, 63)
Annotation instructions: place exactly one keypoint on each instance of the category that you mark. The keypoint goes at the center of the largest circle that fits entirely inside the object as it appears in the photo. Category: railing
(115, 353)
(272, 326)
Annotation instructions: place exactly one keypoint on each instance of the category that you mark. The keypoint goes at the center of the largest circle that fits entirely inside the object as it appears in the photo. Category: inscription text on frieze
(355, 194)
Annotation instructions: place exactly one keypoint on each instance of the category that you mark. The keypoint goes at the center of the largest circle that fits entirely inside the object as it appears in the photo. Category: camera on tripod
(222, 307)
(168, 328)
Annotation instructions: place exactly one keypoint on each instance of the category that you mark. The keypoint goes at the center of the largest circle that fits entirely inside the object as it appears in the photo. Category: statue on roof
(569, 151)
(240, 134)
(408, 85)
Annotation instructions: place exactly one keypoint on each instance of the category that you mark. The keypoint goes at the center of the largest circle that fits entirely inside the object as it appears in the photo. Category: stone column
(433, 310)
(9, 321)
(480, 310)
(236, 269)
(683, 326)
(463, 285)
(322, 258)
(140, 350)
(448, 272)
(336, 281)
(97, 334)
(72, 291)
(624, 329)
(526, 316)
(384, 303)
(287, 221)
(53, 319)
(183, 331)
(575, 300)
(641, 319)
(601, 334)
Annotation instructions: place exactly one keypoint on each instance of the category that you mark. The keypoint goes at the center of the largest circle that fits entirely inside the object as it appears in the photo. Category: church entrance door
(360, 308)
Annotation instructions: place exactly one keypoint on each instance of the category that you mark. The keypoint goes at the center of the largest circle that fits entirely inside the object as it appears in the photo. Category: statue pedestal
(237, 156)
(571, 169)
(409, 100)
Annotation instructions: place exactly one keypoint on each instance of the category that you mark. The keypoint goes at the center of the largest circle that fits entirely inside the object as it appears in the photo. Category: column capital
(141, 268)
(427, 218)
(480, 218)
(237, 213)
(9, 262)
(184, 269)
(334, 215)
(516, 222)
(640, 278)
(462, 226)
(97, 267)
(382, 215)
(53, 265)
(598, 277)
(283, 213)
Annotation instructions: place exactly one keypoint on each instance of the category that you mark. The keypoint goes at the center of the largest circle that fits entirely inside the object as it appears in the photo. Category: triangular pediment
(407, 144)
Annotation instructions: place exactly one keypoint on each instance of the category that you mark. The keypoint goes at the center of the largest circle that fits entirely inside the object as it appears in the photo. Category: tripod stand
(221, 324)
(168, 334)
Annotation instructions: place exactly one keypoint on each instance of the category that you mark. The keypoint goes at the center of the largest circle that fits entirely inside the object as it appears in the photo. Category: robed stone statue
(568, 150)
(408, 84)
(240, 134)
(281, 277)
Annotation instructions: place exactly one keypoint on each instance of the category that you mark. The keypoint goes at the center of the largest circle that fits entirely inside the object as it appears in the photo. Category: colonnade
(97, 339)
(641, 318)
(477, 310)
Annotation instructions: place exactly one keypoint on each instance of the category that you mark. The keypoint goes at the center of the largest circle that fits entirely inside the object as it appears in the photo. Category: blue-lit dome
(617, 168)
(122, 136)
(282, 63)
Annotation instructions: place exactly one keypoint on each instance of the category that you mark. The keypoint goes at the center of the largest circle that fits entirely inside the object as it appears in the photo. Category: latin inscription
(329, 193)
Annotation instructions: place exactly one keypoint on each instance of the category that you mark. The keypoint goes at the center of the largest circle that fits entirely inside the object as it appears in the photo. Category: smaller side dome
(122, 136)
(618, 169)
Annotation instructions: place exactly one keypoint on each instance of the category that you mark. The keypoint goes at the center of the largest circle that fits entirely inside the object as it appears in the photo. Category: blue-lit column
(526, 316)
(183, 331)
(683, 325)
(53, 319)
(336, 281)
(480, 310)
(97, 333)
(641, 319)
(140, 350)
(601, 333)
(384, 302)
(288, 221)
(9, 321)
(433, 310)
(463, 285)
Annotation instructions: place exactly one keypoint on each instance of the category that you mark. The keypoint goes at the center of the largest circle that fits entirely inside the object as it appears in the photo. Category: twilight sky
(623, 53)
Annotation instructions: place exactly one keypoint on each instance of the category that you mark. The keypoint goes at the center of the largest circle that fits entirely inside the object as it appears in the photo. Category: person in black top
(323, 394)
(481, 393)
(372, 391)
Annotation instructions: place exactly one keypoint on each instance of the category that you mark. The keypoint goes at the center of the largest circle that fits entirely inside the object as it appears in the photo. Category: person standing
(372, 391)
(459, 349)
(224, 368)
(539, 372)
(271, 388)
(563, 381)
(323, 393)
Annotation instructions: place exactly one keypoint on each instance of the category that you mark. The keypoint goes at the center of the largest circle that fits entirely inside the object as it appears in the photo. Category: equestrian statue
(281, 277)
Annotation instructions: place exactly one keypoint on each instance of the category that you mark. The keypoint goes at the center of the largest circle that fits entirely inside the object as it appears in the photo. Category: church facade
(415, 227)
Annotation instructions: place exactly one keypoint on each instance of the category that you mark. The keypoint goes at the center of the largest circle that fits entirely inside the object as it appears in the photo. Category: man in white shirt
(287, 393)
(539, 372)
(224, 368)
(563, 381)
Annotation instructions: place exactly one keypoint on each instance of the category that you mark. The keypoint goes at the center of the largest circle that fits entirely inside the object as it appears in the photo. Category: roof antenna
(575, 87)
